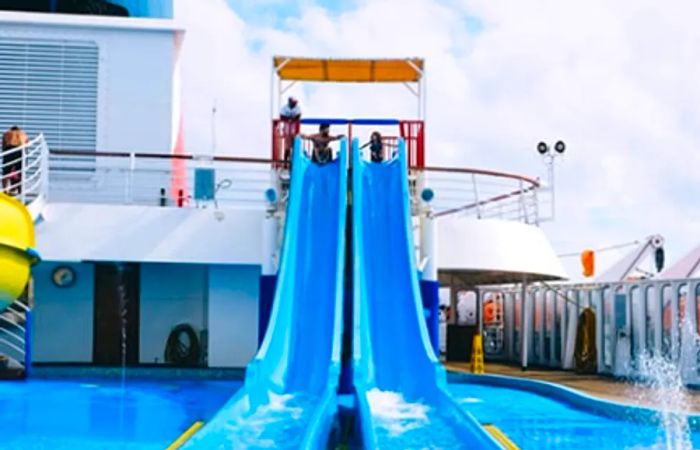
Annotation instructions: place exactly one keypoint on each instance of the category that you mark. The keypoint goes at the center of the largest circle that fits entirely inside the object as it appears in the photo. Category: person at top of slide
(290, 114)
(322, 151)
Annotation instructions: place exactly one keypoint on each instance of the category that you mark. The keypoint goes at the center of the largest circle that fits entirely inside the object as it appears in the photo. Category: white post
(428, 248)
(524, 314)
(22, 175)
(430, 286)
(44, 167)
(130, 178)
(551, 188)
(269, 243)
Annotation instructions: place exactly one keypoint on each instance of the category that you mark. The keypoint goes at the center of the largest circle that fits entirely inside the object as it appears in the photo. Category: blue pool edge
(573, 397)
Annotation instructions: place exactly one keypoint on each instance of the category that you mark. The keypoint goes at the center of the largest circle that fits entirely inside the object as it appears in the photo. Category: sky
(617, 81)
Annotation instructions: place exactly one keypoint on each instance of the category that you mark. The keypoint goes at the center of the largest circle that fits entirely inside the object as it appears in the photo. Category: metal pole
(27, 343)
(429, 284)
(213, 128)
(22, 175)
(476, 197)
(129, 194)
(551, 184)
(272, 90)
(479, 311)
(44, 167)
(523, 325)
(269, 243)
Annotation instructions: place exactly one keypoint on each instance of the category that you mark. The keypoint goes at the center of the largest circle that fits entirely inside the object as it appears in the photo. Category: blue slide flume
(399, 382)
(290, 395)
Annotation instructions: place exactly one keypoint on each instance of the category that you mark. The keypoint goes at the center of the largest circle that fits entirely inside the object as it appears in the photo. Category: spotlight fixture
(560, 147)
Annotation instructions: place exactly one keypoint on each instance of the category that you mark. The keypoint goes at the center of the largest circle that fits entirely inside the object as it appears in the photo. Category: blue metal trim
(339, 121)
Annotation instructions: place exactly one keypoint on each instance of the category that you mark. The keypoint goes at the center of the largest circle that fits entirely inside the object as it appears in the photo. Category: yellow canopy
(349, 70)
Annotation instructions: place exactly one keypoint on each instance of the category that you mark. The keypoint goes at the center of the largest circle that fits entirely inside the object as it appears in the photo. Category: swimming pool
(534, 421)
(99, 414)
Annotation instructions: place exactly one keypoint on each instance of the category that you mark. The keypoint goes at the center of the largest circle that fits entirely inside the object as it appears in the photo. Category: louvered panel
(50, 87)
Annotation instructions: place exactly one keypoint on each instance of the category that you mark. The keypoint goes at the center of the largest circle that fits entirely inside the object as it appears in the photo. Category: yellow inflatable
(17, 253)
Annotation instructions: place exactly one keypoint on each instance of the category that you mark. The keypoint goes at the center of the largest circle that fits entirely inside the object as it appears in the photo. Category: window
(50, 87)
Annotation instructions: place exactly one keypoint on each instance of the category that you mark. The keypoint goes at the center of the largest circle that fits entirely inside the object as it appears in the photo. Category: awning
(349, 70)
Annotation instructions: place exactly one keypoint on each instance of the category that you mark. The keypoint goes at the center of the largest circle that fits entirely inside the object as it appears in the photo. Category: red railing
(412, 131)
(283, 133)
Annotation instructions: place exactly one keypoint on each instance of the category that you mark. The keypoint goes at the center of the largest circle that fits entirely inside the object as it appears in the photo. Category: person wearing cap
(290, 114)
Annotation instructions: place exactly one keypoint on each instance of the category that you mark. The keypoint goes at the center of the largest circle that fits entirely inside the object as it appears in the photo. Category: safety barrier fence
(634, 321)
(188, 180)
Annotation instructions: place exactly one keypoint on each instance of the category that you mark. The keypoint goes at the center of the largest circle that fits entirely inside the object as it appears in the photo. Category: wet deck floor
(595, 385)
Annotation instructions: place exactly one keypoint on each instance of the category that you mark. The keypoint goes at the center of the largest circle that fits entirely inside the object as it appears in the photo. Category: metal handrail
(480, 203)
(12, 346)
(21, 346)
(133, 179)
(32, 158)
(14, 324)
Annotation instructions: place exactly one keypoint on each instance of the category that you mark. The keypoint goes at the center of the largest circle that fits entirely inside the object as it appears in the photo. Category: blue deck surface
(99, 414)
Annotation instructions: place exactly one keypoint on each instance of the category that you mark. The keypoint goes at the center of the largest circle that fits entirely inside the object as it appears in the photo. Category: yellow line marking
(184, 437)
(501, 437)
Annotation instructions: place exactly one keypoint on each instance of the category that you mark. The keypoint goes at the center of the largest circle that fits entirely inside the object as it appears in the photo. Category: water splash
(123, 299)
(666, 392)
(280, 421)
(394, 414)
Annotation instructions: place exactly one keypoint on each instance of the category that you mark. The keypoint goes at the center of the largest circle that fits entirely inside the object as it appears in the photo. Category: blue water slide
(400, 384)
(289, 399)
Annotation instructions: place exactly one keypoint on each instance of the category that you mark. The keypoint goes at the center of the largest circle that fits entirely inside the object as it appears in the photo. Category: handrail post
(44, 168)
(537, 206)
(22, 177)
(130, 179)
(476, 197)
(521, 196)
(28, 343)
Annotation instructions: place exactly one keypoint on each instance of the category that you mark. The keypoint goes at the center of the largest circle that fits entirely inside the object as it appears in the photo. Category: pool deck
(595, 385)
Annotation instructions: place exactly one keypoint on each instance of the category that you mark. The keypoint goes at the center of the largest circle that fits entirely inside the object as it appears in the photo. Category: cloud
(616, 81)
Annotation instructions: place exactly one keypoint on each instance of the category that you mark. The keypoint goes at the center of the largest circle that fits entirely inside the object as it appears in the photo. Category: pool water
(279, 424)
(403, 425)
(99, 414)
(533, 421)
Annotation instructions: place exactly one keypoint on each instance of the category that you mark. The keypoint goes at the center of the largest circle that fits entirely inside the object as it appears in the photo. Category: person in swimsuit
(376, 147)
(322, 152)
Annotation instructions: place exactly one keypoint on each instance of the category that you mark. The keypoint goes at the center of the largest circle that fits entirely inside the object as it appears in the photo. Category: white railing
(155, 179)
(482, 194)
(15, 327)
(170, 180)
(634, 320)
(24, 170)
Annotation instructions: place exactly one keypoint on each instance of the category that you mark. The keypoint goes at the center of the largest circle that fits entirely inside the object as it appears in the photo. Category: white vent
(50, 87)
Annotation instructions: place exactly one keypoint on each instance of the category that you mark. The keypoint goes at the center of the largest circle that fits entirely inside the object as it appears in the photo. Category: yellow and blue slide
(17, 253)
